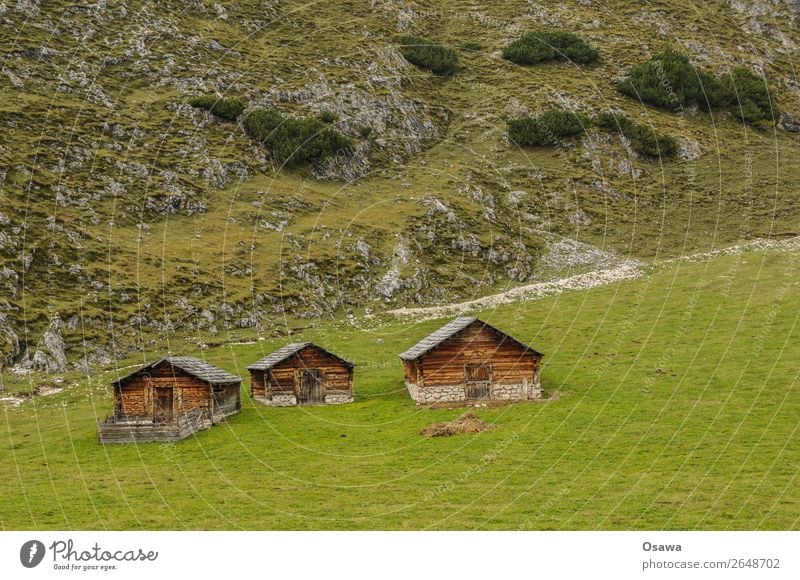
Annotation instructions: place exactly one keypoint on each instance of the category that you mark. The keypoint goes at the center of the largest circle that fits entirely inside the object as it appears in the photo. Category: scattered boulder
(92, 360)
(789, 123)
(9, 342)
(50, 354)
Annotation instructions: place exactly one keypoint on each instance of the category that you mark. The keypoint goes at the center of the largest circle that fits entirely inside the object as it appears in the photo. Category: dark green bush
(328, 117)
(644, 140)
(747, 96)
(546, 129)
(228, 109)
(427, 54)
(261, 123)
(536, 47)
(294, 141)
(670, 81)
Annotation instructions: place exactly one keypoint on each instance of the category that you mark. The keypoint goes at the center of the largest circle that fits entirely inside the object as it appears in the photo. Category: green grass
(678, 410)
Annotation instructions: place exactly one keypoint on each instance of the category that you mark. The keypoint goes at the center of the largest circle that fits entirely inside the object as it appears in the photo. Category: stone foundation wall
(339, 398)
(509, 392)
(454, 393)
(535, 389)
(278, 401)
(334, 398)
(437, 394)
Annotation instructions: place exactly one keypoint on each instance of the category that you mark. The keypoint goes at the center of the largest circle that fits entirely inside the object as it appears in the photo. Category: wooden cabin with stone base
(470, 360)
(301, 373)
(169, 400)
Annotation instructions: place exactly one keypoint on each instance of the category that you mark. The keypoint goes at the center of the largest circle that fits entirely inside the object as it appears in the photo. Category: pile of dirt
(466, 423)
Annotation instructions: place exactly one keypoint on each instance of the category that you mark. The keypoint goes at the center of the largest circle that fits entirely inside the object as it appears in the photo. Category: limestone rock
(788, 122)
(49, 356)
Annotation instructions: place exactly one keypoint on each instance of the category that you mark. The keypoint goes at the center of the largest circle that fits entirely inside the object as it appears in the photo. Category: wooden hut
(470, 360)
(169, 400)
(301, 373)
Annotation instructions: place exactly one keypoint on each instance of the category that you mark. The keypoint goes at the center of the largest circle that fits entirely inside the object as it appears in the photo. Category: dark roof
(287, 351)
(449, 330)
(193, 366)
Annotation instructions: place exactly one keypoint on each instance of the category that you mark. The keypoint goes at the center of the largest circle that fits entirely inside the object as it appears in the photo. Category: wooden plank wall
(227, 399)
(511, 363)
(411, 371)
(281, 379)
(195, 395)
(257, 386)
(189, 392)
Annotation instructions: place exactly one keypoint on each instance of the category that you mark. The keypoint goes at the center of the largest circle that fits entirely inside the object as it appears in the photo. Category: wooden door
(162, 405)
(478, 379)
(310, 387)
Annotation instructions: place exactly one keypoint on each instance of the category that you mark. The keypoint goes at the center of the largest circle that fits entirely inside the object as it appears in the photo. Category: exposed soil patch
(41, 391)
(466, 423)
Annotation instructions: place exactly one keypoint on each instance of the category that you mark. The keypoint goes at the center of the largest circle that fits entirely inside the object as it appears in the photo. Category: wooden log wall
(135, 398)
(283, 377)
(227, 399)
(257, 384)
(411, 371)
(511, 363)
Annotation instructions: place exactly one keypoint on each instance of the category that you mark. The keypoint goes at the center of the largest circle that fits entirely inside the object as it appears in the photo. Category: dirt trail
(628, 270)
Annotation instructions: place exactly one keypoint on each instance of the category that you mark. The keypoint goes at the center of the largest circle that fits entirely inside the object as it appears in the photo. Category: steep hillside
(128, 216)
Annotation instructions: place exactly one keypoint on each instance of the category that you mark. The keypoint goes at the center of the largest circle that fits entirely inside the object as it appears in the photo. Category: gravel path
(528, 292)
(627, 271)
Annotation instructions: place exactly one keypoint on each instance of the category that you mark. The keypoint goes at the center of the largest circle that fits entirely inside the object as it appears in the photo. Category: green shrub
(427, 54)
(644, 140)
(328, 117)
(537, 47)
(294, 141)
(670, 81)
(471, 46)
(261, 123)
(228, 109)
(546, 129)
(747, 96)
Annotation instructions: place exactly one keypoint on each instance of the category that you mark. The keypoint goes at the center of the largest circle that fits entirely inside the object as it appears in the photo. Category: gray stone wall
(278, 401)
(332, 398)
(338, 398)
(437, 394)
(535, 389)
(509, 392)
(454, 393)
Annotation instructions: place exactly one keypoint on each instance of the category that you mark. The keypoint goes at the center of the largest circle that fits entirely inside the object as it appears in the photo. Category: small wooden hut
(471, 360)
(169, 400)
(301, 373)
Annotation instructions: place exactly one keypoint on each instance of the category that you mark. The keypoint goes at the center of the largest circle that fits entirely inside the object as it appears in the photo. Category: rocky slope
(127, 216)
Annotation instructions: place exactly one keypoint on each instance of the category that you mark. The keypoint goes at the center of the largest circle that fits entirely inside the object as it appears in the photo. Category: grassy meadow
(674, 405)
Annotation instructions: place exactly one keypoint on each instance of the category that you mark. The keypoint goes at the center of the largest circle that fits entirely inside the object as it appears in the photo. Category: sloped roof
(287, 351)
(449, 330)
(193, 366)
